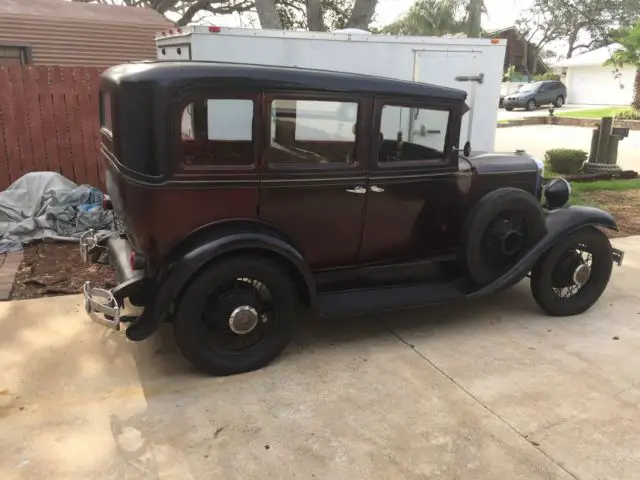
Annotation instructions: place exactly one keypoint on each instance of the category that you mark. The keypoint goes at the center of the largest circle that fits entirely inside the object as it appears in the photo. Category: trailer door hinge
(471, 78)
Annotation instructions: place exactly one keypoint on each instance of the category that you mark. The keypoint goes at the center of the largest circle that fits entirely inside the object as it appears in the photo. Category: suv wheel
(236, 316)
(559, 101)
(531, 105)
(573, 274)
(499, 231)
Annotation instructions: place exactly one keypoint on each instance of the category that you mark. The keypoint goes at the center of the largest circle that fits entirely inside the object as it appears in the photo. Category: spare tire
(499, 230)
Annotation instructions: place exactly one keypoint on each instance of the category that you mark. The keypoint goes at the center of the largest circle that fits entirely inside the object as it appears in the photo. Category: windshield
(529, 87)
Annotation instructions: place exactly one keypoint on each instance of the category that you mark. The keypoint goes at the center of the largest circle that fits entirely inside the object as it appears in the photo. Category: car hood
(485, 163)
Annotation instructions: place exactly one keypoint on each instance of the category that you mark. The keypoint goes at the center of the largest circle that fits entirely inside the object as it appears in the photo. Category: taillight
(137, 261)
(106, 203)
(215, 29)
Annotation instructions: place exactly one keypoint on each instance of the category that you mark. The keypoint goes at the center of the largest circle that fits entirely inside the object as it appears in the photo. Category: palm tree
(629, 54)
(430, 18)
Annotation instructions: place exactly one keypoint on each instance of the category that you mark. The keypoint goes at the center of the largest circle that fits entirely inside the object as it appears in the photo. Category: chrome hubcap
(581, 274)
(243, 320)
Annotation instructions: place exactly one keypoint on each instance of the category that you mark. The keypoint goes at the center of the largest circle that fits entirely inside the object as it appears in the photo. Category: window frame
(361, 134)
(448, 160)
(205, 94)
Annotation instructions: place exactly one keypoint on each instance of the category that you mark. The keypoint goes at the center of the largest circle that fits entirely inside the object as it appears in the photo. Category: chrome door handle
(376, 189)
(359, 190)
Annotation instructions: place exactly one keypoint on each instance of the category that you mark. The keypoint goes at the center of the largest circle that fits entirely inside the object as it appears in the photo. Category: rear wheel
(573, 274)
(559, 101)
(236, 316)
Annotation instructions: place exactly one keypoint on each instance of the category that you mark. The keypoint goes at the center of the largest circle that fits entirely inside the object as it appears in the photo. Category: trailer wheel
(499, 230)
(237, 315)
(573, 274)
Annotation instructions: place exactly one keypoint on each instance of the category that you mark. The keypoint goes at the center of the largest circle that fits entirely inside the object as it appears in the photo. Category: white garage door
(597, 86)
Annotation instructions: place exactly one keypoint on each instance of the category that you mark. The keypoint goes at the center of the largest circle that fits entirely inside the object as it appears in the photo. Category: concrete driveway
(537, 139)
(489, 390)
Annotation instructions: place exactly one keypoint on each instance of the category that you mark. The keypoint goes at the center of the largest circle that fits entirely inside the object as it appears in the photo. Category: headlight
(557, 193)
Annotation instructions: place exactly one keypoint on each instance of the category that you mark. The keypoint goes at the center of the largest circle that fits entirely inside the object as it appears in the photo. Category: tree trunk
(636, 91)
(315, 16)
(573, 37)
(475, 18)
(362, 14)
(268, 15)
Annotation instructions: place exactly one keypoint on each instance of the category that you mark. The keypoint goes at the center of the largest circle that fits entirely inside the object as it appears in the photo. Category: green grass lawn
(591, 113)
(579, 189)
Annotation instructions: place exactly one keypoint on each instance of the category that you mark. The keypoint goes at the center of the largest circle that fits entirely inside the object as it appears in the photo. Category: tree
(316, 15)
(629, 54)
(430, 18)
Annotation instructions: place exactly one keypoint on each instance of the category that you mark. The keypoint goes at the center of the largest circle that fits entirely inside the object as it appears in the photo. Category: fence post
(593, 152)
(606, 126)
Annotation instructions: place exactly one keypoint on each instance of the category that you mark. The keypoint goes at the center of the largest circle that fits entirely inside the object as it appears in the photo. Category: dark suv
(250, 195)
(537, 94)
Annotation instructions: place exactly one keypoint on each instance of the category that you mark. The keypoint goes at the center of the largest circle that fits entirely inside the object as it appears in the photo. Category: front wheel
(236, 316)
(531, 105)
(573, 274)
(559, 101)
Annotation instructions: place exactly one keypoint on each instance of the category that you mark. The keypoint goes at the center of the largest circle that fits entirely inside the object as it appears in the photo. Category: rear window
(105, 112)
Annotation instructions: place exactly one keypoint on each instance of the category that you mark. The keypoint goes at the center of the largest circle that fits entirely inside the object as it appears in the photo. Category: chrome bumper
(101, 306)
(617, 256)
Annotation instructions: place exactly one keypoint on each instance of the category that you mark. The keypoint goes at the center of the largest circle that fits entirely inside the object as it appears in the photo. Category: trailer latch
(471, 78)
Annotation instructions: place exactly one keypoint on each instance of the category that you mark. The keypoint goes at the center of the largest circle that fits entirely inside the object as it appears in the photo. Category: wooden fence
(49, 121)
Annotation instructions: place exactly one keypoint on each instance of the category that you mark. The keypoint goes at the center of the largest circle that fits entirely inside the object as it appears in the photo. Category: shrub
(565, 160)
(629, 113)
(546, 76)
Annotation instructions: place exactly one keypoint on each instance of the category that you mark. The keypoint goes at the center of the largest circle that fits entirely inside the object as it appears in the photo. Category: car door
(413, 203)
(546, 94)
(314, 172)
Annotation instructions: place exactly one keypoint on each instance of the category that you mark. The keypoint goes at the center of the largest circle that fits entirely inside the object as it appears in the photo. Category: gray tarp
(48, 206)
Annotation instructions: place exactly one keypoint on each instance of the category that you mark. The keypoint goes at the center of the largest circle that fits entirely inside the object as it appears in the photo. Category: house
(590, 82)
(516, 52)
(60, 32)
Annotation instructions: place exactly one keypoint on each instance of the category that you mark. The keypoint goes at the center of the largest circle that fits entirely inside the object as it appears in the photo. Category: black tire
(559, 101)
(196, 339)
(492, 217)
(508, 109)
(547, 275)
(531, 105)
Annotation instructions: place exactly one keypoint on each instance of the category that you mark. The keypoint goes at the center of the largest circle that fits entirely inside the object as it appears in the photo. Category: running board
(353, 302)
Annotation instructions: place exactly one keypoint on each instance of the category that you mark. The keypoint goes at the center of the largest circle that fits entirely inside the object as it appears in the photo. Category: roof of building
(595, 57)
(78, 11)
(179, 72)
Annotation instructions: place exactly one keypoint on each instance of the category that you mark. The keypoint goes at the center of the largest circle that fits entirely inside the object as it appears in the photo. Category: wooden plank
(75, 135)
(23, 132)
(94, 81)
(34, 110)
(86, 126)
(5, 89)
(60, 115)
(45, 97)
(12, 147)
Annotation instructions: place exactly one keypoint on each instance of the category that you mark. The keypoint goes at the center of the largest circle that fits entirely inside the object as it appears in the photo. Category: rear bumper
(105, 306)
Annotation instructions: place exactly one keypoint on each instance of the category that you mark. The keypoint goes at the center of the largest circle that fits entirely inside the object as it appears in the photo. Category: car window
(312, 132)
(218, 132)
(412, 134)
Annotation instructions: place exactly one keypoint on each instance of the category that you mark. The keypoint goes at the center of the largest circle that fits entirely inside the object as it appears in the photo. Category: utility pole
(475, 18)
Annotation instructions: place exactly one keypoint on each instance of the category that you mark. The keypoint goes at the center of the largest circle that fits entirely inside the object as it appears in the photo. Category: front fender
(186, 262)
(560, 223)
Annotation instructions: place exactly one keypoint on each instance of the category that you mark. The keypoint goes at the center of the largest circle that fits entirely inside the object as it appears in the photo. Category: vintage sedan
(250, 196)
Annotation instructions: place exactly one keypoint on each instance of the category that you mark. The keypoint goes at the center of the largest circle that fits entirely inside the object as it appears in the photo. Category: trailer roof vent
(215, 29)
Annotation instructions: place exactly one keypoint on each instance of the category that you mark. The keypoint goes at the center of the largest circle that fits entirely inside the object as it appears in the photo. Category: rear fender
(560, 223)
(206, 245)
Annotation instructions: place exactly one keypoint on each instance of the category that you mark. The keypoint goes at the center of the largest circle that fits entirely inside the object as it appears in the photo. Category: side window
(312, 132)
(218, 133)
(412, 134)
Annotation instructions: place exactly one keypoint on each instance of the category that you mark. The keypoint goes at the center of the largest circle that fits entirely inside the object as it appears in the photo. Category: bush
(546, 76)
(565, 160)
(629, 113)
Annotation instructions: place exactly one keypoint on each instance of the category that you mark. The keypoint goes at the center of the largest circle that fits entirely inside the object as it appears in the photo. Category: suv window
(218, 133)
(412, 134)
(312, 132)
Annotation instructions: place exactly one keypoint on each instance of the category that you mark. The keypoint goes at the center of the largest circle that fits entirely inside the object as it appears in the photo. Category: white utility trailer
(474, 65)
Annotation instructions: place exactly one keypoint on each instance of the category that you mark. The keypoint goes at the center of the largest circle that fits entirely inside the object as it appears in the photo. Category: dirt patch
(50, 269)
(624, 205)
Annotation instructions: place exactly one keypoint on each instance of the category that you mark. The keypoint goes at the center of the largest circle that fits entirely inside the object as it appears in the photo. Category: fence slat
(34, 116)
(60, 114)
(5, 179)
(45, 95)
(94, 75)
(23, 131)
(75, 135)
(9, 118)
(87, 130)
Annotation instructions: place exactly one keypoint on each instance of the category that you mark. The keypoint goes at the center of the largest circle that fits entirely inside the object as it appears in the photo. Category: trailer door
(455, 69)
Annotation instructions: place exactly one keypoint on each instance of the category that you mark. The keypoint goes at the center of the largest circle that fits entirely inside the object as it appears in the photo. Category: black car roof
(171, 72)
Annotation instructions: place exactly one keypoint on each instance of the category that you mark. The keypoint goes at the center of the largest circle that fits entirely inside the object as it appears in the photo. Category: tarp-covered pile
(48, 206)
